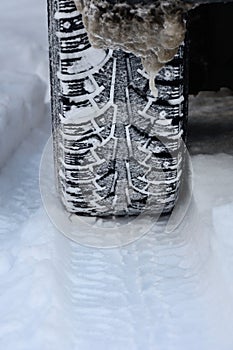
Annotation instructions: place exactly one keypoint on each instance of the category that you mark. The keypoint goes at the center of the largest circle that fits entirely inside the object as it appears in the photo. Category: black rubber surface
(117, 149)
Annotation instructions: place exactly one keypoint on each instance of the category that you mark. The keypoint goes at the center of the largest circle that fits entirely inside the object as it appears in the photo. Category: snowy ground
(165, 291)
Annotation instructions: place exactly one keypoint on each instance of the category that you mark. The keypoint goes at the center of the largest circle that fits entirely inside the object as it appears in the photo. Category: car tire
(117, 149)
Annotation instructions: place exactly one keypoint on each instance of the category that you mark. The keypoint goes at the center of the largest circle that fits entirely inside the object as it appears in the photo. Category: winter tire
(116, 147)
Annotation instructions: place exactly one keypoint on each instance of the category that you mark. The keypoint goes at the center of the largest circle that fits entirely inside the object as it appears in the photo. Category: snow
(23, 73)
(21, 108)
(171, 289)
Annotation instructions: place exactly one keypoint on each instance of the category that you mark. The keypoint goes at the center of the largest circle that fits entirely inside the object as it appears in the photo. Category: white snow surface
(167, 291)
